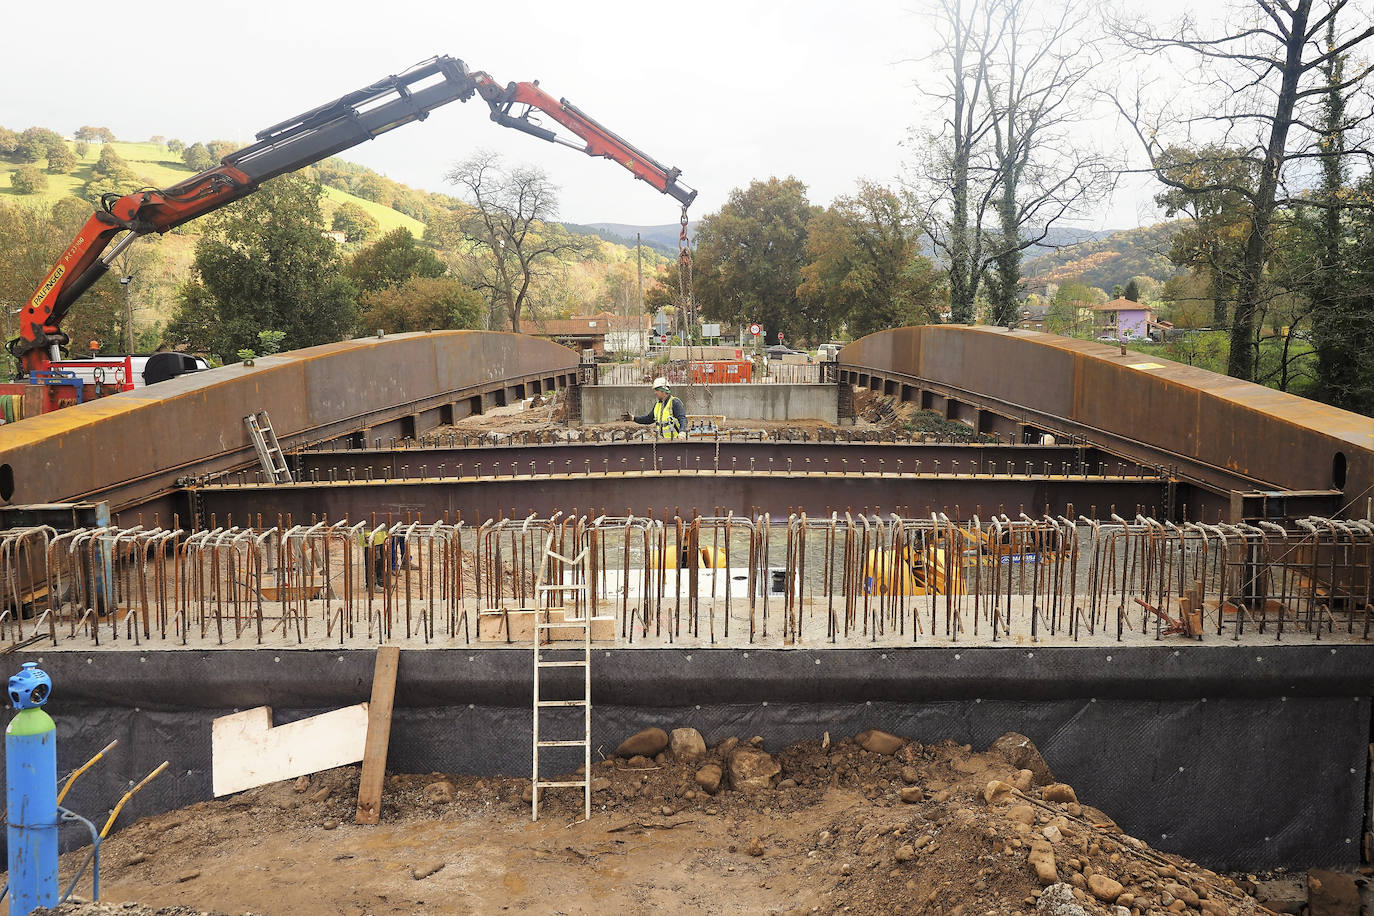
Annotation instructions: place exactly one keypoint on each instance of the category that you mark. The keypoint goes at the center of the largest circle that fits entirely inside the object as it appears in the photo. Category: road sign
(780, 337)
(755, 329)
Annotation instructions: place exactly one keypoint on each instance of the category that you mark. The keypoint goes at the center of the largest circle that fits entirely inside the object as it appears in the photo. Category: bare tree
(511, 230)
(1035, 90)
(1268, 68)
(1001, 169)
(955, 207)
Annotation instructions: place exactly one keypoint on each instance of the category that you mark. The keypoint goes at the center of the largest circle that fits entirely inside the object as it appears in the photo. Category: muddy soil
(872, 824)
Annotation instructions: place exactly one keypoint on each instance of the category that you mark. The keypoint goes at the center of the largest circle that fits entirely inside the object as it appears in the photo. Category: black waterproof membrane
(1238, 757)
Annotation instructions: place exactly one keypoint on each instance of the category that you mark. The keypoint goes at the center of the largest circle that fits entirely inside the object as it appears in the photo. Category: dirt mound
(867, 824)
(897, 417)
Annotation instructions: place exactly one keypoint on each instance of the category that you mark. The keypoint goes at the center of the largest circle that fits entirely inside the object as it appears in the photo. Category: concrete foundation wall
(607, 403)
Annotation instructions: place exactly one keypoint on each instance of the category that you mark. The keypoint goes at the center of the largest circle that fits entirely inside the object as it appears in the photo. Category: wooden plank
(246, 751)
(378, 735)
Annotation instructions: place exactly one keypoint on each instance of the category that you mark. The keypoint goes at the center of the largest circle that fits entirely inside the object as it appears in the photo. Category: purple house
(1122, 318)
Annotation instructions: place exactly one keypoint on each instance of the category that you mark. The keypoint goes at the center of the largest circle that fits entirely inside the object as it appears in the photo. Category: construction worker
(668, 417)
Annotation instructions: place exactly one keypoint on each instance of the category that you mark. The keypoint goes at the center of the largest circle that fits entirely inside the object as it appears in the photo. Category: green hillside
(387, 218)
(1107, 261)
(157, 166)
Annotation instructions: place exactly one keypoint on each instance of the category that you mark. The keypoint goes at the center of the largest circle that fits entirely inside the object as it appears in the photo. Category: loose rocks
(708, 777)
(751, 769)
(439, 793)
(1104, 888)
(1059, 792)
(687, 743)
(1041, 858)
(997, 792)
(1059, 901)
(646, 743)
(1021, 752)
(878, 742)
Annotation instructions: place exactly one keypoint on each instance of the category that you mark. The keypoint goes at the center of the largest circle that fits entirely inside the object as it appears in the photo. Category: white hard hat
(662, 382)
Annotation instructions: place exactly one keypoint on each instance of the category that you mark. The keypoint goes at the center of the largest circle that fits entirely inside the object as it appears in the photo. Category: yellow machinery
(1016, 544)
(917, 572)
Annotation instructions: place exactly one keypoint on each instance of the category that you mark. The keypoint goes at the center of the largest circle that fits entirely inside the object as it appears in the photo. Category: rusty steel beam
(1214, 429)
(776, 492)
(130, 449)
(705, 454)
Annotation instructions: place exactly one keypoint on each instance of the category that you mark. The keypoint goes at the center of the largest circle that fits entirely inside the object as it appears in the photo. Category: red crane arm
(293, 144)
(598, 139)
(82, 263)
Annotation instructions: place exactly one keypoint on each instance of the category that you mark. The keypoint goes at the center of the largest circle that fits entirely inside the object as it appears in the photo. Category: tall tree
(34, 142)
(1342, 321)
(1213, 241)
(864, 264)
(1001, 169)
(1267, 60)
(511, 230)
(422, 304)
(749, 255)
(197, 157)
(1035, 90)
(28, 180)
(94, 134)
(354, 222)
(1350, 384)
(392, 260)
(61, 159)
(957, 150)
(264, 263)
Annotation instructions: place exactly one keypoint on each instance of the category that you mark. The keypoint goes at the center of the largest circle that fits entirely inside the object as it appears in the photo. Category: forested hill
(1107, 261)
(662, 239)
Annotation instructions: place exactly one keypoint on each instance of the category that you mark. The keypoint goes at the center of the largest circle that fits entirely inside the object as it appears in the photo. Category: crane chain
(685, 300)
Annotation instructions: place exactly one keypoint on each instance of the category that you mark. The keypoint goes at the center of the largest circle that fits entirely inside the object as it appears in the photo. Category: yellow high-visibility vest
(665, 424)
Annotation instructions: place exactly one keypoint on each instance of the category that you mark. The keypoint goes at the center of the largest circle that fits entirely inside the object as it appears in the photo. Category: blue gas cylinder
(31, 793)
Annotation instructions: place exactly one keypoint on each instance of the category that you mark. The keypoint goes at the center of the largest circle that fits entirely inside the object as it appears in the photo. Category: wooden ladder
(269, 450)
(542, 629)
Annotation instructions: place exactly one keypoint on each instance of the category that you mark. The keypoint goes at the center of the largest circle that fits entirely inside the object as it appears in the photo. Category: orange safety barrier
(721, 371)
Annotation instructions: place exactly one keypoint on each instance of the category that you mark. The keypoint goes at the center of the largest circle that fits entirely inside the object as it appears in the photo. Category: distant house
(603, 333)
(1122, 318)
(1033, 317)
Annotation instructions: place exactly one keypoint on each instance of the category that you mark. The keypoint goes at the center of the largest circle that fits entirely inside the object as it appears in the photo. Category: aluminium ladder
(543, 628)
(269, 450)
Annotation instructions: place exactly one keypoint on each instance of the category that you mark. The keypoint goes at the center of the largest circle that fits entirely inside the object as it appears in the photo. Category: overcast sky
(727, 92)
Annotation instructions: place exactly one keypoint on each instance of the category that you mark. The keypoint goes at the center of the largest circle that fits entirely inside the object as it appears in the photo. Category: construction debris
(831, 831)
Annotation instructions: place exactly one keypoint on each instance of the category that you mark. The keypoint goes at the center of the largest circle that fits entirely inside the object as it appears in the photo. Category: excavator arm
(286, 147)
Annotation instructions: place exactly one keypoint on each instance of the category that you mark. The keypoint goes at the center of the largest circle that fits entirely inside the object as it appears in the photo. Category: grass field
(387, 218)
(160, 169)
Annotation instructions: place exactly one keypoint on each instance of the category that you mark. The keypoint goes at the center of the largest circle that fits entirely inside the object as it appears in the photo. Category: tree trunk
(1009, 261)
(1241, 363)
